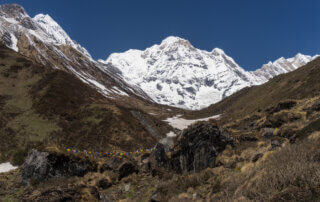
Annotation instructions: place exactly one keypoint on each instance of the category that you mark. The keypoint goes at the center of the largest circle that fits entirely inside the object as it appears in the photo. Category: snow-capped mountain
(56, 33)
(172, 73)
(282, 66)
(43, 39)
(176, 73)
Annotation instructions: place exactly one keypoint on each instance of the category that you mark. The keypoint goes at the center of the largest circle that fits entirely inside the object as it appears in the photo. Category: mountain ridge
(203, 77)
(43, 40)
(172, 73)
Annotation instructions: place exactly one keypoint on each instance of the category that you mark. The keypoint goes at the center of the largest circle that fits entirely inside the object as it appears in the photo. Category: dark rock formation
(256, 157)
(104, 183)
(155, 197)
(40, 166)
(285, 105)
(159, 158)
(196, 149)
(122, 166)
(200, 144)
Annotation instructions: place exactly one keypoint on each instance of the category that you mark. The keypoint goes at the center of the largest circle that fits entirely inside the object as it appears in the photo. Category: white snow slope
(176, 73)
(181, 123)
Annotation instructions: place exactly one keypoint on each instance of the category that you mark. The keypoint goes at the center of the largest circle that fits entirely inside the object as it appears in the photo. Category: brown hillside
(40, 106)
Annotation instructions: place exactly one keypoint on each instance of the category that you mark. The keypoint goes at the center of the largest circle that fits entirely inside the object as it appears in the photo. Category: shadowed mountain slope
(41, 106)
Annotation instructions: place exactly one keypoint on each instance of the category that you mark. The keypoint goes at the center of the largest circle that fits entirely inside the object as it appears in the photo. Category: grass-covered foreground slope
(41, 106)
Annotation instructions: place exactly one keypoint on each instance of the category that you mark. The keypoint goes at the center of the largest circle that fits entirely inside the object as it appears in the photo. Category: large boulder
(200, 144)
(40, 166)
(196, 149)
(159, 158)
(121, 166)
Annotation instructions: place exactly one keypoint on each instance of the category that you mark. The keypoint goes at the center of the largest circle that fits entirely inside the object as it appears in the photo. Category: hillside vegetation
(41, 106)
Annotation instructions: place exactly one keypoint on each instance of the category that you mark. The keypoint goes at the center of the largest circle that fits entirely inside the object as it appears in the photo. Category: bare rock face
(159, 157)
(42, 166)
(200, 144)
(12, 11)
(195, 150)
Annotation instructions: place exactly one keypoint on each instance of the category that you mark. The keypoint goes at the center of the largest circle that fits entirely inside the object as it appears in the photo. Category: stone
(104, 183)
(285, 105)
(155, 197)
(200, 144)
(105, 198)
(256, 157)
(122, 166)
(158, 157)
(267, 133)
(196, 149)
(127, 187)
(40, 166)
(126, 169)
(275, 144)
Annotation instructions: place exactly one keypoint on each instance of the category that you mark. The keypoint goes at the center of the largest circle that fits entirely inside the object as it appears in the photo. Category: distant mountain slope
(177, 74)
(43, 40)
(282, 66)
(298, 84)
(41, 106)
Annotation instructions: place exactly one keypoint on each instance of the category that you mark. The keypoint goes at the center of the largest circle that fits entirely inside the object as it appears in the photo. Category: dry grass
(282, 174)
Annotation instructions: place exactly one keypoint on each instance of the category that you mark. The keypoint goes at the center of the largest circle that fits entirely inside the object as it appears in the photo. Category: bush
(313, 126)
(19, 157)
(290, 173)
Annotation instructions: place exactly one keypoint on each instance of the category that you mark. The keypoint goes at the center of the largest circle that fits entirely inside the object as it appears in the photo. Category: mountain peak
(56, 32)
(44, 17)
(217, 51)
(171, 40)
(13, 11)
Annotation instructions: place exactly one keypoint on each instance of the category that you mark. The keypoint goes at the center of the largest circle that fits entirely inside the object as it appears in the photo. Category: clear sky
(251, 31)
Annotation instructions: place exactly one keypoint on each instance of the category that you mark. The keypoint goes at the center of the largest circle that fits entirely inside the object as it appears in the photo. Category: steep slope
(177, 74)
(41, 106)
(282, 66)
(298, 84)
(43, 40)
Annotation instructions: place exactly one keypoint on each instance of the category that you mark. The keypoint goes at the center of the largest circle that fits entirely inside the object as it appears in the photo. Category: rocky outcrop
(196, 149)
(200, 144)
(40, 166)
(285, 105)
(159, 158)
(121, 166)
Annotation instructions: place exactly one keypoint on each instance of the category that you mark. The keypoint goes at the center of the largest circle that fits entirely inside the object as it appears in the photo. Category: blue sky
(251, 31)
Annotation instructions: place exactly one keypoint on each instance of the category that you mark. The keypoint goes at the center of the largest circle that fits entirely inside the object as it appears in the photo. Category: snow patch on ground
(6, 167)
(182, 123)
(171, 134)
